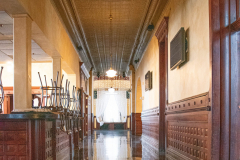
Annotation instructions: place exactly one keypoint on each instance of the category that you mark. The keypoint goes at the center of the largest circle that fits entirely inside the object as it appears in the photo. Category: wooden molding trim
(191, 104)
(162, 29)
(141, 43)
(35, 90)
(85, 71)
(162, 36)
(150, 112)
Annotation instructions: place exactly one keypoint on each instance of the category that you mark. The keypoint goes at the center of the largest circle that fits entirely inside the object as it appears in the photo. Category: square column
(22, 88)
(57, 67)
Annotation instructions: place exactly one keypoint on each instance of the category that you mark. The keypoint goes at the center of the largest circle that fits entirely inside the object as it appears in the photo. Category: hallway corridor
(113, 145)
(119, 79)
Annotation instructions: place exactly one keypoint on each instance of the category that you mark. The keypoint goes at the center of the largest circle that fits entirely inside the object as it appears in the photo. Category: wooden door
(8, 104)
(225, 92)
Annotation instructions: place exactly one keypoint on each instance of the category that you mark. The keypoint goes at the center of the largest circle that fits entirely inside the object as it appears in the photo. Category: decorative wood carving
(29, 139)
(14, 140)
(187, 128)
(188, 135)
(48, 140)
(111, 78)
(62, 145)
(195, 103)
(162, 29)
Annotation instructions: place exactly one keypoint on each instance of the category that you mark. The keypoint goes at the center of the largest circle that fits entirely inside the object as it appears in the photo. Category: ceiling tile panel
(6, 29)
(106, 38)
(5, 18)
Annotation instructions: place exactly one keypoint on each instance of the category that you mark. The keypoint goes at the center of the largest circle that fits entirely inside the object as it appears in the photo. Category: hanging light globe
(111, 90)
(111, 72)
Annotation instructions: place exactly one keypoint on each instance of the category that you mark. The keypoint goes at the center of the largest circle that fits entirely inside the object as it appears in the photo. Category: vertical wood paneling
(136, 124)
(188, 128)
(14, 140)
(150, 133)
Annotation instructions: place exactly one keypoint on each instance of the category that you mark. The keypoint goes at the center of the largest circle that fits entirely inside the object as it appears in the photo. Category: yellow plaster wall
(149, 62)
(192, 78)
(139, 96)
(44, 15)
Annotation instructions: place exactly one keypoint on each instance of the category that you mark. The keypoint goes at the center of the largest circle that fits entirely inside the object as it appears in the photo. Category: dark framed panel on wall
(148, 81)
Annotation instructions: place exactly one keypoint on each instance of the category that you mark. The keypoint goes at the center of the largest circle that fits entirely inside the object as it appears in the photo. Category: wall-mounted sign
(148, 81)
(127, 95)
(95, 95)
(178, 49)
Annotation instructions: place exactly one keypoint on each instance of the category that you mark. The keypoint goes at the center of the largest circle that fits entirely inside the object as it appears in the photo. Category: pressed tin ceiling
(88, 24)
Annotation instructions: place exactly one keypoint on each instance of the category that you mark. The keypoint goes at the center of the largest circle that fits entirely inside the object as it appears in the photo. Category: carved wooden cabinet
(30, 136)
(188, 127)
(86, 115)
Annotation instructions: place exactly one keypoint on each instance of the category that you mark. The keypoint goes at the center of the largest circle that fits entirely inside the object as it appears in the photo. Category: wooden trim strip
(207, 108)
(191, 104)
(150, 112)
(189, 98)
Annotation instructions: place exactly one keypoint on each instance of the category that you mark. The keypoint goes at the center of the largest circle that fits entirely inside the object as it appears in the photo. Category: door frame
(162, 36)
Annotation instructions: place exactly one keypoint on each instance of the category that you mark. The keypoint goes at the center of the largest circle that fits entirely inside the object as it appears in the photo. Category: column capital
(131, 67)
(21, 16)
(56, 57)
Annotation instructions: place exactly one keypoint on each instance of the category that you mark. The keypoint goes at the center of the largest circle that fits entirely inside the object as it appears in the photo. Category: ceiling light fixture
(111, 72)
(111, 90)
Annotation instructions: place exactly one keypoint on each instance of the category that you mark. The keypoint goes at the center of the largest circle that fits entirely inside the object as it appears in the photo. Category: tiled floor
(112, 145)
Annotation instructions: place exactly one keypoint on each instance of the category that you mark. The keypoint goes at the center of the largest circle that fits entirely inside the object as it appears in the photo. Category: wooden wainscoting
(136, 123)
(188, 128)
(150, 133)
(14, 139)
